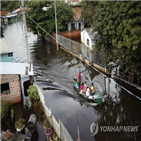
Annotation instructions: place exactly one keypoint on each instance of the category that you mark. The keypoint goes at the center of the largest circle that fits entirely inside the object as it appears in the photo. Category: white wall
(84, 37)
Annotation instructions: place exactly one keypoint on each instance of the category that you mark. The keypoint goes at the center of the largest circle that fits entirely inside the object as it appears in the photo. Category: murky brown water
(55, 70)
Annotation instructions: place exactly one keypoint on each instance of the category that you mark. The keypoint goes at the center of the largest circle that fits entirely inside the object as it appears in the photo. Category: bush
(19, 124)
(2, 109)
(33, 93)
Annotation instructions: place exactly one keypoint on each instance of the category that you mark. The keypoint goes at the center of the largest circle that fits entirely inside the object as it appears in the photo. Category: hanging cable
(41, 27)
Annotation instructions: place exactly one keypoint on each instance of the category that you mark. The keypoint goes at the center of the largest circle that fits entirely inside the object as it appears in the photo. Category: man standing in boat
(79, 79)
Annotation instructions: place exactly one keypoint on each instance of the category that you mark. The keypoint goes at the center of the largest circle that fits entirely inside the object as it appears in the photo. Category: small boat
(96, 98)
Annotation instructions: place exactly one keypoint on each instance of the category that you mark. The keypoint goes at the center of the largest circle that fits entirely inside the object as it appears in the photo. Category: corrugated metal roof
(5, 46)
(15, 11)
(3, 13)
(16, 68)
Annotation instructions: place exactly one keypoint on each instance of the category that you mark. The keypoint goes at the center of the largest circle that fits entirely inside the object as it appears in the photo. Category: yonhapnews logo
(95, 128)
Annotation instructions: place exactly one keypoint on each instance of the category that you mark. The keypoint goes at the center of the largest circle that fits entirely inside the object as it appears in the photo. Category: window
(10, 54)
(88, 42)
(5, 88)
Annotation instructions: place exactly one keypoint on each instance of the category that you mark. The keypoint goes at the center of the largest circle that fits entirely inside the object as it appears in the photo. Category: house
(87, 37)
(19, 11)
(6, 51)
(11, 73)
(75, 2)
(7, 17)
(77, 23)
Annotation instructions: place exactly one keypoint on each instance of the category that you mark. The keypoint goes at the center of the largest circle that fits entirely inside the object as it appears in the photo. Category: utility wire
(41, 27)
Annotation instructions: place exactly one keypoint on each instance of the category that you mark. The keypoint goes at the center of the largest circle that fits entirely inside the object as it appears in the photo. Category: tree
(118, 26)
(46, 19)
(88, 11)
(9, 5)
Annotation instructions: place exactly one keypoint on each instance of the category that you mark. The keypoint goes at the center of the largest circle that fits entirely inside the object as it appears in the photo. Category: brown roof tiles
(4, 13)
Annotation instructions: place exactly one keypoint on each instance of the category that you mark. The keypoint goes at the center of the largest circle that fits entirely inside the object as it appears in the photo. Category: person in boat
(76, 83)
(85, 86)
(82, 89)
(92, 89)
(88, 92)
(79, 78)
(95, 96)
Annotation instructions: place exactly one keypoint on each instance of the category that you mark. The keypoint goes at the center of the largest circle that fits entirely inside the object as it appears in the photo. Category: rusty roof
(4, 13)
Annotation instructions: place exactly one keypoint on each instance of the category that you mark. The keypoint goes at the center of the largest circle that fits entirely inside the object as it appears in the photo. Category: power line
(41, 27)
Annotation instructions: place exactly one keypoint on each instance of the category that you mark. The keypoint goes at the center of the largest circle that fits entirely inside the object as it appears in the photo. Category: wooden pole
(56, 24)
(59, 129)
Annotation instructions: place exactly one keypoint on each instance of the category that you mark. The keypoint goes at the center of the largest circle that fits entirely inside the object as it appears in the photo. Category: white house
(87, 37)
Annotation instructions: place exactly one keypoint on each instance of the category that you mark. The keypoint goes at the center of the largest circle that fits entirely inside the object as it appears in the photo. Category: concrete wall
(84, 37)
(14, 95)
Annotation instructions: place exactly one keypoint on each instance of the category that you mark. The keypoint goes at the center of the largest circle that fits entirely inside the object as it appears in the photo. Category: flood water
(54, 71)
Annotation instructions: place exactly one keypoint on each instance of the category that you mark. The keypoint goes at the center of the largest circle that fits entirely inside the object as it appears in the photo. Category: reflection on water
(55, 70)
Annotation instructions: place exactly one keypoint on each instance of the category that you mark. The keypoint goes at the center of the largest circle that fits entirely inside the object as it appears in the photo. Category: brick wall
(14, 95)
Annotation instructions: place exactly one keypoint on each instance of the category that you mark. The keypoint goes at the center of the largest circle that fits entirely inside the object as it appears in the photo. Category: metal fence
(59, 128)
(82, 50)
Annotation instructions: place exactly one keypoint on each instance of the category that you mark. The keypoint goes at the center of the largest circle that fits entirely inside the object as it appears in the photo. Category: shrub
(19, 124)
(2, 109)
(33, 93)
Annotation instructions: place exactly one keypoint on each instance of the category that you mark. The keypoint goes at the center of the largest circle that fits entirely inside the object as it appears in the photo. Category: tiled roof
(3, 13)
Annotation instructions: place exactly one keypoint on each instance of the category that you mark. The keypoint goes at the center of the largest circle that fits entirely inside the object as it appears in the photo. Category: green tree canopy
(10, 5)
(88, 11)
(118, 26)
(46, 19)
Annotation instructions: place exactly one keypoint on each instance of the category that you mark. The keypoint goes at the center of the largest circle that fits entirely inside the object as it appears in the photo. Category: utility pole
(25, 31)
(56, 24)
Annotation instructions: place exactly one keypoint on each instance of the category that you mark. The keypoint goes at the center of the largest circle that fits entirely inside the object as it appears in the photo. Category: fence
(59, 128)
(81, 50)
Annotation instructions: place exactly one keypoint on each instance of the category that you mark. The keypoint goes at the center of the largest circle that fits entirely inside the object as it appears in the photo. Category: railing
(81, 50)
(59, 128)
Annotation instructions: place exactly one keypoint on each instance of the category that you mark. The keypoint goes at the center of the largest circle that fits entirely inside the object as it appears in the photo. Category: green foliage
(46, 19)
(2, 108)
(33, 93)
(12, 115)
(118, 26)
(9, 5)
(19, 124)
(39, 110)
(1, 31)
(10, 107)
(88, 11)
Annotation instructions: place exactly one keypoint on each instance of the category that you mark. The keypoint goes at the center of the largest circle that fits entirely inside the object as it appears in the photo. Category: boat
(97, 99)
